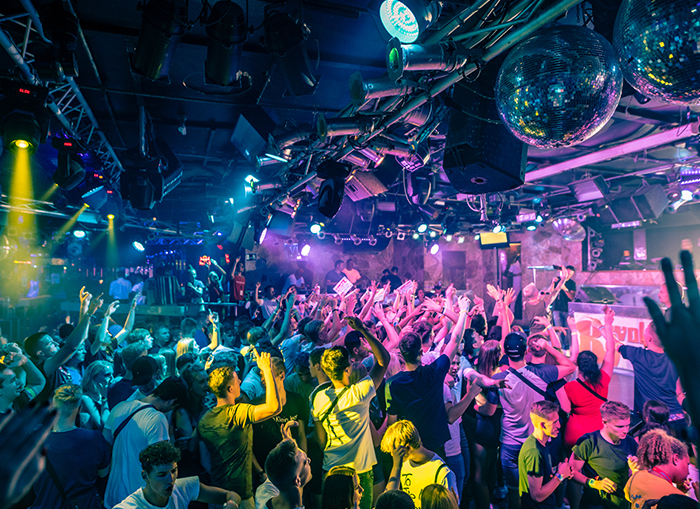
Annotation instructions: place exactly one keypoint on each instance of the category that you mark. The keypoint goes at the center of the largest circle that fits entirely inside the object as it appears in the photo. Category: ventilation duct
(355, 126)
(444, 56)
(362, 91)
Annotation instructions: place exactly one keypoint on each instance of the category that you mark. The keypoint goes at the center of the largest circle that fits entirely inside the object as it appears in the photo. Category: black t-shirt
(335, 278)
(266, 434)
(118, 392)
(418, 397)
(561, 303)
(655, 377)
(395, 282)
(536, 460)
(53, 381)
(605, 460)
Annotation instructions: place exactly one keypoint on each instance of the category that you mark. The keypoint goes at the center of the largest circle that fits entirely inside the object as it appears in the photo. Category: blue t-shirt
(76, 456)
(655, 377)
(417, 396)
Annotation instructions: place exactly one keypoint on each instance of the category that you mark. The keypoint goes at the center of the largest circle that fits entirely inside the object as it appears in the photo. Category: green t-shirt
(227, 432)
(536, 460)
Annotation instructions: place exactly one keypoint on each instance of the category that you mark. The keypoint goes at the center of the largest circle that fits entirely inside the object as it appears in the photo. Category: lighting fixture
(686, 195)
(338, 240)
(305, 250)
(256, 186)
(415, 236)
(321, 235)
(434, 248)
(250, 178)
(531, 227)
(422, 228)
(330, 196)
(110, 216)
(285, 40)
(56, 61)
(448, 238)
(400, 236)
(477, 236)
(372, 240)
(315, 228)
(95, 197)
(539, 219)
(408, 19)
(443, 57)
(356, 240)
(79, 234)
(70, 171)
(460, 240)
(138, 246)
(164, 22)
(362, 91)
(226, 33)
(433, 234)
(25, 120)
(498, 228)
(263, 234)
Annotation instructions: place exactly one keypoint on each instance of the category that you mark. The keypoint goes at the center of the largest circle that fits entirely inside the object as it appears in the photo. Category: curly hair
(658, 448)
(335, 361)
(160, 453)
(137, 335)
(587, 363)
(219, 380)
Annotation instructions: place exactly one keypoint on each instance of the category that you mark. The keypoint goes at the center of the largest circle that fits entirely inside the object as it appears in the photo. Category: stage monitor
(489, 240)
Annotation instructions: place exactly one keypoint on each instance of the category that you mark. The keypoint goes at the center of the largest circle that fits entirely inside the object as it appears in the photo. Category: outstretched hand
(679, 334)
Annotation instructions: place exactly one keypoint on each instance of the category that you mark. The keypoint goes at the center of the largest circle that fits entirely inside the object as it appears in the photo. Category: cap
(515, 345)
(143, 370)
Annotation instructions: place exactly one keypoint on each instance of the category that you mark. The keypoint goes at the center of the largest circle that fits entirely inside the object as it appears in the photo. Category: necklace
(659, 473)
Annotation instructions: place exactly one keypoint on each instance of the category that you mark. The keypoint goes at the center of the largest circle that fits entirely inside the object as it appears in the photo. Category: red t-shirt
(239, 287)
(585, 409)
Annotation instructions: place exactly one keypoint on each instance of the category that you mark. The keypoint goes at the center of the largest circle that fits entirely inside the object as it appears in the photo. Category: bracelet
(559, 477)
(590, 482)
(549, 327)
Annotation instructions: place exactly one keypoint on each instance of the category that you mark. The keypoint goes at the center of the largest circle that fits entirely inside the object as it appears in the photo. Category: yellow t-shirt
(643, 486)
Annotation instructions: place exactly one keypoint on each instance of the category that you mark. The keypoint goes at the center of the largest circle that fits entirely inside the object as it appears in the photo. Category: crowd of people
(391, 397)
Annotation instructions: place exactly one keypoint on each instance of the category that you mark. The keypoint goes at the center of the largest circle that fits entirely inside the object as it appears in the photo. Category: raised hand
(509, 297)
(543, 321)
(263, 360)
(379, 311)
(95, 305)
(399, 454)
(431, 305)
(12, 356)
(111, 308)
(493, 292)
(609, 315)
(571, 322)
(463, 303)
(355, 323)
(286, 429)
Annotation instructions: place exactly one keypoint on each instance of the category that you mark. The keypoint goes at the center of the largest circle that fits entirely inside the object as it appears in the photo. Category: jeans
(456, 464)
(560, 321)
(509, 461)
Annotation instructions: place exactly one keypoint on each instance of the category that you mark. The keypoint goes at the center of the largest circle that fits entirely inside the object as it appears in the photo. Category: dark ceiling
(197, 120)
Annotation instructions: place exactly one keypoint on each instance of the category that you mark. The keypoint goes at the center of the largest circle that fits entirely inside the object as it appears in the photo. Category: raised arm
(35, 380)
(214, 337)
(381, 354)
(564, 366)
(272, 405)
(258, 300)
(129, 324)
(100, 337)
(609, 359)
(367, 308)
(548, 299)
(456, 336)
(284, 330)
(392, 337)
(575, 338)
(549, 330)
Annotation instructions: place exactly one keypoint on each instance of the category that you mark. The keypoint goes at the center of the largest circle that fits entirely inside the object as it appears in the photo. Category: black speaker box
(330, 196)
(651, 201)
(481, 157)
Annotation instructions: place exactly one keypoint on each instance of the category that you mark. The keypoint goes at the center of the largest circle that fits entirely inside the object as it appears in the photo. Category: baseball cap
(143, 370)
(515, 345)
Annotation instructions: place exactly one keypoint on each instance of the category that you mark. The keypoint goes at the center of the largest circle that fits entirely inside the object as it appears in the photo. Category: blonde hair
(68, 395)
(436, 496)
(188, 345)
(219, 380)
(400, 433)
(529, 291)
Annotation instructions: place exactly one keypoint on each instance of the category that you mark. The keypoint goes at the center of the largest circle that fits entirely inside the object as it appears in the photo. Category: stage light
(356, 240)
(498, 228)
(539, 219)
(445, 57)
(460, 240)
(21, 144)
(315, 228)
(433, 234)
(95, 198)
(285, 40)
(362, 90)
(25, 119)
(138, 246)
(372, 240)
(321, 235)
(477, 236)
(407, 19)
(422, 228)
(531, 227)
(70, 171)
(110, 216)
(686, 195)
(164, 22)
(79, 234)
(305, 250)
(251, 178)
(226, 33)
(338, 240)
(434, 248)
(415, 236)
(448, 238)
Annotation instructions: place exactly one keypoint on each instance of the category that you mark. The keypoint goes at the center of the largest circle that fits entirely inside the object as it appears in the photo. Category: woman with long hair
(96, 381)
(488, 428)
(341, 489)
(655, 414)
(436, 496)
(664, 462)
(583, 397)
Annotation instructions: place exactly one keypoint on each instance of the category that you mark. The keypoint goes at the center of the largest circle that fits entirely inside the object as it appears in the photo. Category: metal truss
(65, 101)
(174, 241)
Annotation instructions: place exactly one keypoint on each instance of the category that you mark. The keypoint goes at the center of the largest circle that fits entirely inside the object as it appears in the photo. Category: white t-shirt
(348, 435)
(145, 428)
(265, 492)
(269, 306)
(452, 446)
(414, 478)
(185, 490)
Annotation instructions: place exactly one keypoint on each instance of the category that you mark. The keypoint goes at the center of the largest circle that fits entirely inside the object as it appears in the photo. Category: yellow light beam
(71, 222)
(112, 250)
(21, 189)
(48, 194)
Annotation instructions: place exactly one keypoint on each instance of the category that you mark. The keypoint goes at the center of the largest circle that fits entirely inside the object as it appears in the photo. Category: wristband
(559, 476)
(549, 327)
(590, 482)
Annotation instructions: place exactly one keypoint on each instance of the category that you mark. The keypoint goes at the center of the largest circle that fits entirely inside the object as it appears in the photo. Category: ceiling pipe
(354, 126)
(624, 149)
(459, 20)
(288, 138)
(34, 16)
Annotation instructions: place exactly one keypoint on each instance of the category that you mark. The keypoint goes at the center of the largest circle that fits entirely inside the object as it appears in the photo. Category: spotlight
(256, 186)
(285, 40)
(498, 228)
(315, 228)
(226, 33)
(407, 19)
(70, 171)
(55, 62)
(415, 236)
(263, 234)
(531, 227)
(388, 234)
(433, 234)
(434, 248)
(422, 228)
(356, 240)
(163, 24)
(79, 234)
(330, 196)
(138, 246)
(95, 197)
(372, 240)
(321, 235)
(686, 195)
(460, 240)
(338, 240)
(25, 120)
(539, 219)
(419, 57)
(110, 216)
(400, 236)
(362, 91)
(477, 236)
(448, 238)
(305, 250)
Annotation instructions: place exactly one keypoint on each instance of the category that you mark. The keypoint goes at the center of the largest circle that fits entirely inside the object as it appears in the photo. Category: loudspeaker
(251, 132)
(363, 185)
(650, 201)
(330, 196)
(480, 156)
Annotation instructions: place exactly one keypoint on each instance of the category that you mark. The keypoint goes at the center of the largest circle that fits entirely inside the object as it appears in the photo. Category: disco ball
(559, 87)
(657, 44)
(570, 229)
